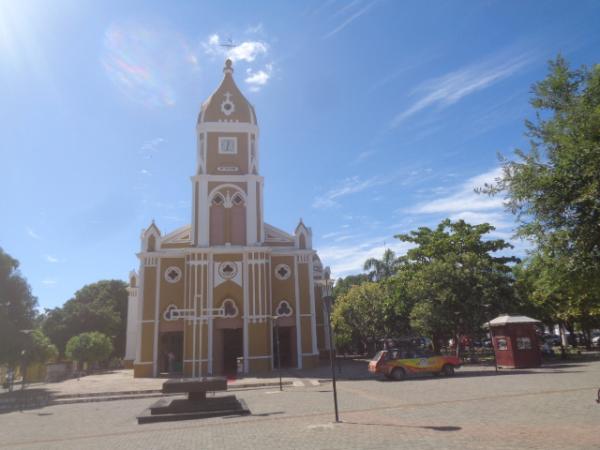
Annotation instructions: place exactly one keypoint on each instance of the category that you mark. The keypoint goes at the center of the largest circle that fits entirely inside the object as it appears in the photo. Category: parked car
(552, 339)
(596, 340)
(397, 364)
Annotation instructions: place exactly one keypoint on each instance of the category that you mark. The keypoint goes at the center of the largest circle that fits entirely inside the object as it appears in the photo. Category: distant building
(206, 293)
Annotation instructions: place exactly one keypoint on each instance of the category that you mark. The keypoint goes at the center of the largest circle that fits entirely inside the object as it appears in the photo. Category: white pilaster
(297, 313)
(140, 312)
(246, 310)
(156, 319)
(251, 213)
(204, 209)
(210, 302)
(313, 315)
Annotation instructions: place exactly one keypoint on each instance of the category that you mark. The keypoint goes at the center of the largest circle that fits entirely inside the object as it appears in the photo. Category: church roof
(227, 103)
(277, 235)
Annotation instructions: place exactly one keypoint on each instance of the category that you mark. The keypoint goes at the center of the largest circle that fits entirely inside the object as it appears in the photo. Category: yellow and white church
(209, 297)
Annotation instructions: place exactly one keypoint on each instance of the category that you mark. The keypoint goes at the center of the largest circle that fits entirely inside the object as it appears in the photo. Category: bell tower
(227, 189)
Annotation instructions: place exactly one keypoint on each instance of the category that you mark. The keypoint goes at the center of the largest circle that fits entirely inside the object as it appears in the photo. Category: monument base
(197, 405)
(163, 411)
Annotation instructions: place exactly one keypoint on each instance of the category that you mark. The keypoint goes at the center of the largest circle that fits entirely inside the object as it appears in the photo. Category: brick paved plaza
(549, 408)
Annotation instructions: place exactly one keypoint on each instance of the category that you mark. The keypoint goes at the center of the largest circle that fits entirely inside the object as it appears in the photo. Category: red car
(398, 363)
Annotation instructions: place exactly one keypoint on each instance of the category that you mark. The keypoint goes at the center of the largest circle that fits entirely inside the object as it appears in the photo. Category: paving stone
(546, 408)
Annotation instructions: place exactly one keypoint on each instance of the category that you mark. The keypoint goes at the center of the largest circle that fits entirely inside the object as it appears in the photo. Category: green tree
(554, 188)
(91, 347)
(17, 310)
(556, 294)
(380, 269)
(453, 280)
(365, 314)
(37, 349)
(343, 285)
(100, 306)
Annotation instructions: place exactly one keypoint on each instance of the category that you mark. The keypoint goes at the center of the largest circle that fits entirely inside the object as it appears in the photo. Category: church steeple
(227, 185)
(227, 103)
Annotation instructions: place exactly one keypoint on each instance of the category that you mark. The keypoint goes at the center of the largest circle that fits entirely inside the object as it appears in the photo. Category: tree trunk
(457, 337)
(563, 341)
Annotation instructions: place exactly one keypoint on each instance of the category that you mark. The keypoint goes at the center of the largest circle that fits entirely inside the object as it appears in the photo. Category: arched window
(151, 247)
(218, 199)
(237, 200)
(302, 241)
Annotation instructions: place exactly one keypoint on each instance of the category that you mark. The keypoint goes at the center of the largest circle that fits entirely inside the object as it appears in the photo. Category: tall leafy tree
(17, 310)
(91, 347)
(100, 306)
(455, 282)
(554, 188)
(343, 285)
(380, 269)
(365, 314)
(37, 348)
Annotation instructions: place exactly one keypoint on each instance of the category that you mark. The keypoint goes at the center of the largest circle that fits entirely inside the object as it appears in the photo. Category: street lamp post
(278, 350)
(327, 302)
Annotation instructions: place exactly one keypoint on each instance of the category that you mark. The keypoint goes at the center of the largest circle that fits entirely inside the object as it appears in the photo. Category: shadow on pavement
(396, 425)
(481, 373)
(25, 399)
(267, 414)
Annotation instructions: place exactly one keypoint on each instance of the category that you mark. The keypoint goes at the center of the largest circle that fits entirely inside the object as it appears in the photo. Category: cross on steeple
(228, 43)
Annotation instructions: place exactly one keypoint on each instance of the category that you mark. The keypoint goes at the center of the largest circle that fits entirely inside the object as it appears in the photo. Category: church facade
(216, 296)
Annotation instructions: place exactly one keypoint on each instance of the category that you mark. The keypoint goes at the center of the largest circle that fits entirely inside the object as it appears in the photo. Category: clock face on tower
(227, 146)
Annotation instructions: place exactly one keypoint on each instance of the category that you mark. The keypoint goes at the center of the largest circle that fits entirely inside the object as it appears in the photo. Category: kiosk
(515, 341)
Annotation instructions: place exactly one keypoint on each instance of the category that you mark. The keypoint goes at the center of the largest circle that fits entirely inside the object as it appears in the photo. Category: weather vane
(228, 43)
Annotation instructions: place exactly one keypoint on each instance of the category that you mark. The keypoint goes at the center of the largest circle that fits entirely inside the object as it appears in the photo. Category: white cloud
(364, 155)
(464, 199)
(145, 172)
(246, 51)
(448, 89)
(255, 29)
(51, 259)
(496, 218)
(348, 259)
(332, 234)
(348, 186)
(152, 145)
(350, 19)
(32, 234)
(49, 281)
(257, 79)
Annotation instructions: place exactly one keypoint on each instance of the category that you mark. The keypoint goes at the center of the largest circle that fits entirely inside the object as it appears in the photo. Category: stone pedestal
(197, 405)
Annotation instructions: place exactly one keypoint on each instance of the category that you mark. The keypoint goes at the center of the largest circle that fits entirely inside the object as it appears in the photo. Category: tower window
(218, 200)
(237, 200)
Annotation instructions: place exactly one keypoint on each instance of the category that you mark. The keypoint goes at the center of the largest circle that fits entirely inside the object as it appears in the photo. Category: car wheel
(448, 370)
(398, 374)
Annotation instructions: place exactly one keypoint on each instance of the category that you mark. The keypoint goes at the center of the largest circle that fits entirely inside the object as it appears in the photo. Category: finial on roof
(228, 66)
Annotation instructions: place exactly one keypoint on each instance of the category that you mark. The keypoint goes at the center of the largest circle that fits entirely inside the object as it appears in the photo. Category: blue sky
(376, 117)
